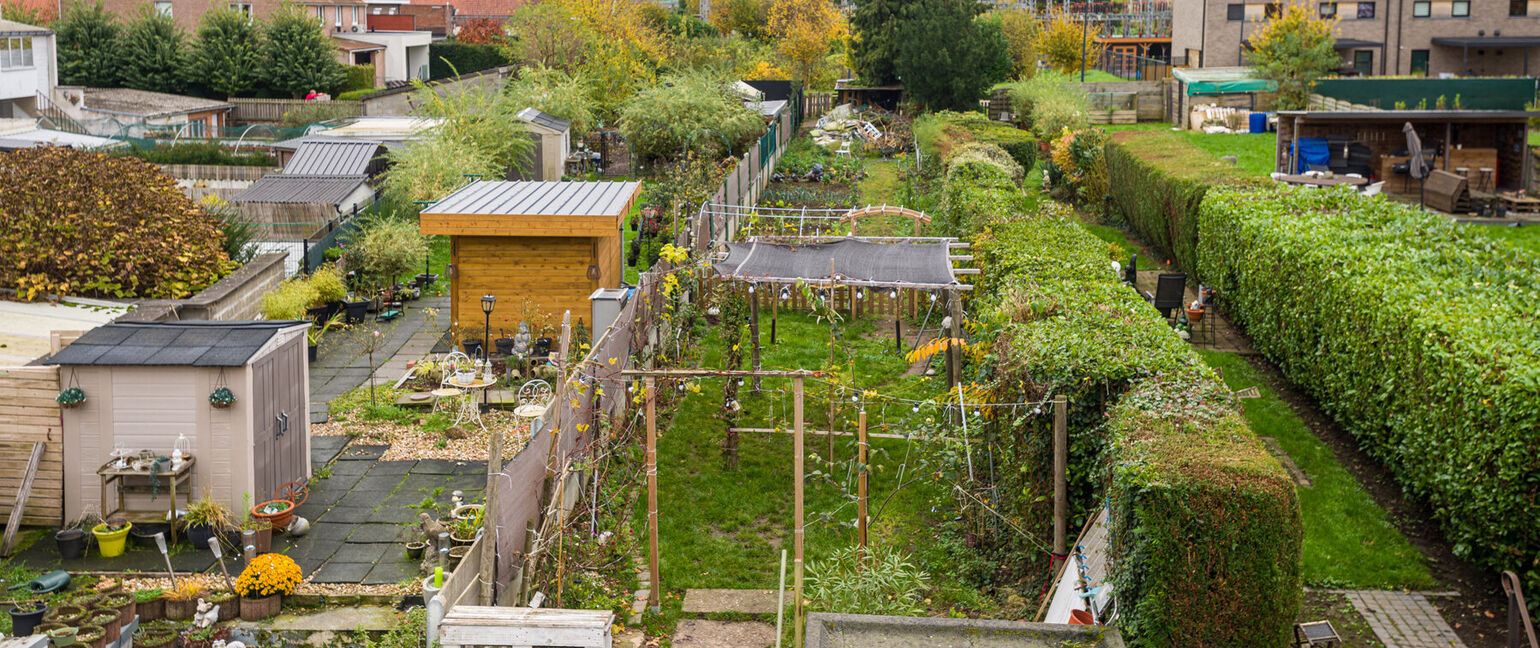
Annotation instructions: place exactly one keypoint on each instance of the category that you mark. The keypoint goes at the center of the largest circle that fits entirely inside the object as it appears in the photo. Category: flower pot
(219, 634)
(229, 608)
(457, 553)
(261, 538)
(356, 310)
(91, 636)
(311, 351)
(1081, 617)
(70, 615)
(429, 591)
(62, 637)
(125, 605)
(111, 543)
(198, 535)
(472, 347)
(257, 609)
(181, 610)
(457, 542)
(72, 543)
(107, 620)
(107, 586)
(24, 622)
(84, 599)
(464, 511)
(414, 550)
(278, 513)
(143, 534)
(504, 345)
(151, 610)
(155, 639)
(1194, 314)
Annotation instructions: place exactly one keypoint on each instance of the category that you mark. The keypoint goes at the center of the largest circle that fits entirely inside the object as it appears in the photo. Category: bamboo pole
(653, 594)
(775, 313)
(796, 452)
(754, 334)
(861, 493)
(1060, 461)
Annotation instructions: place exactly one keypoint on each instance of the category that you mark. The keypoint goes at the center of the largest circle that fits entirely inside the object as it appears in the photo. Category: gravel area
(211, 582)
(410, 441)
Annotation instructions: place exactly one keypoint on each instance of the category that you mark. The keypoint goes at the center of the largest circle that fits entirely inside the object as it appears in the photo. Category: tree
(482, 31)
(557, 93)
(1062, 41)
(1293, 48)
(480, 135)
(297, 57)
(152, 52)
(227, 57)
(1020, 29)
(687, 109)
(804, 30)
(549, 34)
(746, 17)
(88, 45)
(945, 59)
(874, 39)
(27, 14)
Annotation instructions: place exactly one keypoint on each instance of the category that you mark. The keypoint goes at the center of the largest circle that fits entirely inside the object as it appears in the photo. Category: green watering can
(50, 582)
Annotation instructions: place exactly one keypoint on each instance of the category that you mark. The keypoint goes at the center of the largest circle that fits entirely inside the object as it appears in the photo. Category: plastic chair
(1170, 289)
(1374, 189)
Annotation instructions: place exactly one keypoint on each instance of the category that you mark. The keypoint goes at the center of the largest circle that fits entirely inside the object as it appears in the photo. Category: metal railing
(1134, 67)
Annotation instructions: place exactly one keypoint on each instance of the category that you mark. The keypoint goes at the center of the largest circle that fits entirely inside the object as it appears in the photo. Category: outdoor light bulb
(854, 398)
(933, 296)
(893, 294)
(751, 289)
(681, 386)
(860, 294)
(785, 294)
(740, 382)
(916, 408)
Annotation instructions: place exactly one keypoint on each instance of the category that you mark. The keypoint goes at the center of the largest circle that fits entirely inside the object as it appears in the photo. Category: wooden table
(1318, 181)
(1519, 204)
(177, 478)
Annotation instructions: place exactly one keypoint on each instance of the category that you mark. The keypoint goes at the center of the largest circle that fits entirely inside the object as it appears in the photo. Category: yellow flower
(269, 575)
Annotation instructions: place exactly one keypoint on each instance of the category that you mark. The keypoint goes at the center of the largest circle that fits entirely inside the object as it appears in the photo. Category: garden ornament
(521, 340)
(207, 614)
(47, 583)
(300, 526)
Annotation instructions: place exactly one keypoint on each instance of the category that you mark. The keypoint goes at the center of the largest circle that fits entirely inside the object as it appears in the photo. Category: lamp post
(487, 302)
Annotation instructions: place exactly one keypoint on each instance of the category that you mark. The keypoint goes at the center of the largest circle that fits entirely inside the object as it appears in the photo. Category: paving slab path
(700, 633)
(1404, 619)
(708, 601)
(340, 366)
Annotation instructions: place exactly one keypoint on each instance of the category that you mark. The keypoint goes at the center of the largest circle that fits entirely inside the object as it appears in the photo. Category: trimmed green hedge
(1157, 180)
(1417, 334)
(1207, 524)
(447, 58)
(939, 135)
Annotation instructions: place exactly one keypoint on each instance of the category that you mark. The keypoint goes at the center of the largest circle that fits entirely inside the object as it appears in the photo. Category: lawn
(1526, 238)
(1253, 153)
(1123, 240)
(722, 529)
(1349, 542)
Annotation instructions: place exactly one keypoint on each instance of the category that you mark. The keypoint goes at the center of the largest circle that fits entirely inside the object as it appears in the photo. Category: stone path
(708, 601)
(1214, 333)
(339, 366)
(700, 633)
(1403, 620)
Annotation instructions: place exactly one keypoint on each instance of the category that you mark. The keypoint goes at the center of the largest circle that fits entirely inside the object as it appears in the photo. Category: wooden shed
(554, 243)
(147, 383)
(553, 143)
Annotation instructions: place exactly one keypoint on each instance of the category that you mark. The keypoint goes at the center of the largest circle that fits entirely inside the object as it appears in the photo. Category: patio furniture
(1520, 205)
(174, 481)
(1403, 167)
(1169, 291)
(1484, 181)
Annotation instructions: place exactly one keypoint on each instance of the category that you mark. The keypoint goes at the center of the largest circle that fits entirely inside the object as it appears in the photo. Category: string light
(785, 294)
(893, 294)
(751, 288)
(860, 294)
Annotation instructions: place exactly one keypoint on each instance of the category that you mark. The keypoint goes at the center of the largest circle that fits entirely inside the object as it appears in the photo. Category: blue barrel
(1258, 122)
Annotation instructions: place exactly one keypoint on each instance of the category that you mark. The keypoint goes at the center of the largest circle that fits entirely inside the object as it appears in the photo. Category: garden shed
(553, 143)
(1234, 87)
(554, 243)
(148, 384)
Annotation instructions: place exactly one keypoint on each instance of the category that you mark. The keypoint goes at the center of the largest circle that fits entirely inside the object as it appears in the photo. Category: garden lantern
(487, 302)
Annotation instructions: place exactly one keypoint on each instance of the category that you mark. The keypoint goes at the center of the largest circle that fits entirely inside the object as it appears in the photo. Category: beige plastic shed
(148, 383)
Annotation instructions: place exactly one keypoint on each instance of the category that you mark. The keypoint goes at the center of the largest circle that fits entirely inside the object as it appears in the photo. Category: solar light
(1316, 634)
(916, 408)
(860, 294)
(933, 296)
(785, 294)
(751, 289)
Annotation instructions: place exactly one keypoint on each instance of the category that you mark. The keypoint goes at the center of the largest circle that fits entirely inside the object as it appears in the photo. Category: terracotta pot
(1194, 314)
(1081, 617)
(278, 521)
(180, 610)
(151, 610)
(260, 608)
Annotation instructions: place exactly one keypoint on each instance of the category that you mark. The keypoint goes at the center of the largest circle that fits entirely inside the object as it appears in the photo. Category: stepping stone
(319, 413)
(700, 633)
(708, 601)
(1300, 478)
(363, 453)
(342, 572)
(1404, 620)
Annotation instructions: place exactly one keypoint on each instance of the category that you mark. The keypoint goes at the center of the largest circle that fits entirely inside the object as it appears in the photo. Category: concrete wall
(236, 297)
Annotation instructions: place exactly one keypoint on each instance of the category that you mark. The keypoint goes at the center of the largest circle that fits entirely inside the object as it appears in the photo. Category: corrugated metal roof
(536, 116)
(296, 189)
(186, 343)
(333, 157)
(551, 198)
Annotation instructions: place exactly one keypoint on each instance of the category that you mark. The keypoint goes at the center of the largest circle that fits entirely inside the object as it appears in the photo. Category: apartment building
(1378, 37)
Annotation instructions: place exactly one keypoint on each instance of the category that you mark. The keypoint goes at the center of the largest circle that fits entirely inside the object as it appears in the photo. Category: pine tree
(874, 43)
(152, 52)
(946, 60)
(88, 41)
(297, 57)
(226, 57)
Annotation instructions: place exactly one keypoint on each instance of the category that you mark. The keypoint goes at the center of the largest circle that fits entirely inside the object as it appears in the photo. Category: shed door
(278, 454)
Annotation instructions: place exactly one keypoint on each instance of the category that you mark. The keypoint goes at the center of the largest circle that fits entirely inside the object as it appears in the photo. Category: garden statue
(207, 614)
(521, 340)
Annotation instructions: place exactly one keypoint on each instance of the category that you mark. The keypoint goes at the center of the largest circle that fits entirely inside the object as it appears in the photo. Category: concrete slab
(700, 633)
(342, 572)
(708, 601)
(341, 619)
(392, 571)
(325, 448)
(357, 452)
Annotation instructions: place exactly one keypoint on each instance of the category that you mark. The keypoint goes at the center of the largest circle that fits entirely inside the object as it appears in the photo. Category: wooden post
(861, 485)
(566, 342)
(754, 333)
(20, 504)
(654, 598)
(1060, 460)
(796, 534)
(775, 313)
(489, 519)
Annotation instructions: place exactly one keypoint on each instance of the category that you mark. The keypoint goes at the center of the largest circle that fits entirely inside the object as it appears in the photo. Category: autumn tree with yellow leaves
(804, 30)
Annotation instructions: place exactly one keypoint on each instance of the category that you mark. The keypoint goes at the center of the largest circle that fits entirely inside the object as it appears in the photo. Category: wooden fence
(217, 172)
(815, 104)
(272, 110)
(28, 414)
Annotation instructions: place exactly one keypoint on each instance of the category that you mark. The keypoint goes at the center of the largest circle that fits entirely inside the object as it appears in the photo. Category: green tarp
(1209, 81)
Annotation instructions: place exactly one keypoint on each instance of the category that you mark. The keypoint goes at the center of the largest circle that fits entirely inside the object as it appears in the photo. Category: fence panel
(28, 413)
(271, 110)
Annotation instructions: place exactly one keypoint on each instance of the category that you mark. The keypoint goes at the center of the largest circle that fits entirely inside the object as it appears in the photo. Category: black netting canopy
(855, 262)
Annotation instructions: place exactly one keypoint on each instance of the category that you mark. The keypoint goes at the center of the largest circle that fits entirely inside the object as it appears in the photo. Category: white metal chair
(844, 149)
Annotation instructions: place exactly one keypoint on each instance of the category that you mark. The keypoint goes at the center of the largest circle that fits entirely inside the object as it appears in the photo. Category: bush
(1155, 433)
(99, 225)
(941, 132)
(1415, 333)
(448, 58)
(320, 111)
(1079, 157)
(888, 583)
(359, 77)
(355, 95)
(1050, 102)
(289, 300)
(687, 109)
(385, 248)
(1157, 181)
(328, 285)
(197, 153)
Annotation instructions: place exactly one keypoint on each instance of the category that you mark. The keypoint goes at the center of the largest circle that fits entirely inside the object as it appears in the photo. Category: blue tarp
(1313, 150)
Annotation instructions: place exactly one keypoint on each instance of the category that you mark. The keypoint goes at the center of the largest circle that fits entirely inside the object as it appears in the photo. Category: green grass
(1349, 542)
(1253, 153)
(721, 529)
(1526, 238)
(1123, 240)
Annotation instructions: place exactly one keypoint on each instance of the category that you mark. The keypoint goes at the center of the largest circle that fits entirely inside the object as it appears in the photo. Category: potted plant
(111, 536)
(125, 604)
(261, 533)
(229, 605)
(71, 539)
(504, 343)
(107, 620)
(105, 585)
(91, 636)
(62, 637)
(355, 308)
(1195, 312)
(207, 518)
(463, 532)
(70, 615)
(25, 617)
(155, 638)
(278, 513)
(319, 330)
(457, 554)
(263, 584)
(71, 397)
(465, 512)
(204, 637)
(182, 600)
(414, 549)
(84, 598)
(222, 398)
(150, 604)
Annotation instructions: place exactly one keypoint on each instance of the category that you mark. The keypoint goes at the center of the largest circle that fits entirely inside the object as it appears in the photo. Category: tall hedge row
(1206, 523)
(1417, 334)
(1158, 180)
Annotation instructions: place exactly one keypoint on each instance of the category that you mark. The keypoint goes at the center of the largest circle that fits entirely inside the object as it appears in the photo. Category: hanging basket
(71, 397)
(222, 398)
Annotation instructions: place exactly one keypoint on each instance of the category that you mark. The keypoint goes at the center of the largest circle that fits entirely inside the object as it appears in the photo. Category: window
(1328, 9)
(1366, 11)
(15, 52)
(1460, 9)
(1235, 12)
(163, 8)
(1422, 9)
(355, 15)
(1363, 62)
(243, 7)
(1518, 7)
(1420, 62)
(320, 12)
